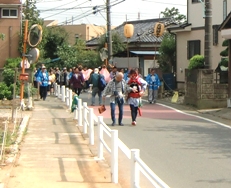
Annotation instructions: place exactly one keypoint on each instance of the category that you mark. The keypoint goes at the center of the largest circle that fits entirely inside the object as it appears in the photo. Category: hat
(43, 67)
(64, 68)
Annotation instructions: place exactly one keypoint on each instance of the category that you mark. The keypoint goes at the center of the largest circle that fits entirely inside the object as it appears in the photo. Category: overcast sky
(80, 11)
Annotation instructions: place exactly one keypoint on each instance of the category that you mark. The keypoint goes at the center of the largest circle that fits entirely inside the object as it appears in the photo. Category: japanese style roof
(226, 24)
(143, 31)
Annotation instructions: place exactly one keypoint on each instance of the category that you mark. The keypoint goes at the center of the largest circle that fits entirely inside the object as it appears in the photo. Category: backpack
(101, 83)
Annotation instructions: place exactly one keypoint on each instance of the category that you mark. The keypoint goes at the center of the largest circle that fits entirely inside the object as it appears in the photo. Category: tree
(167, 58)
(78, 55)
(173, 13)
(167, 52)
(31, 14)
(118, 44)
(56, 37)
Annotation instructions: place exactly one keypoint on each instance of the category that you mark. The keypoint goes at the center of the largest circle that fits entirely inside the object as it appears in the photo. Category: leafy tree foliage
(167, 59)
(118, 44)
(174, 13)
(55, 38)
(78, 55)
(167, 52)
(31, 14)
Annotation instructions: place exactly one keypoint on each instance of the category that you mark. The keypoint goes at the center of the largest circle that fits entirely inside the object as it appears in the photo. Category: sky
(80, 11)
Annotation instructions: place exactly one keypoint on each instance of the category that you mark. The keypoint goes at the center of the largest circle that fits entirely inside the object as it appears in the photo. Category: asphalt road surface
(185, 151)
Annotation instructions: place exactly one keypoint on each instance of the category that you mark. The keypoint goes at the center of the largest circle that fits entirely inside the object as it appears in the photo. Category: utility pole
(109, 37)
(208, 33)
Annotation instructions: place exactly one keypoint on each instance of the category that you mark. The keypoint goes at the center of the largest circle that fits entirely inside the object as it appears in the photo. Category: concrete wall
(200, 91)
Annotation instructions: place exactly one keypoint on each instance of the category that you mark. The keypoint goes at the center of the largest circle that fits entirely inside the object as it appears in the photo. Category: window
(197, 1)
(215, 34)
(224, 9)
(9, 13)
(194, 48)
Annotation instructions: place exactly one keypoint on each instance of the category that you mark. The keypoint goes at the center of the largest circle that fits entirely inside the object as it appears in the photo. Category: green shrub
(13, 63)
(224, 62)
(5, 91)
(196, 62)
(8, 76)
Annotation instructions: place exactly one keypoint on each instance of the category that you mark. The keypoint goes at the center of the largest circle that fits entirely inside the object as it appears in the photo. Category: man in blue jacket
(43, 79)
(153, 85)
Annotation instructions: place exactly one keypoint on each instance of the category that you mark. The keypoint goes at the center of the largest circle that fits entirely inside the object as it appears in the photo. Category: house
(190, 36)
(142, 48)
(81, 31)
(10, 26)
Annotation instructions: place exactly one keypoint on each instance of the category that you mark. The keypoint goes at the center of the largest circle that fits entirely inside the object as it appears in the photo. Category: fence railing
(86, 118)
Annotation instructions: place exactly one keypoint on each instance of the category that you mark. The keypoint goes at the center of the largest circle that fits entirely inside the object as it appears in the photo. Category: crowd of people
(123, 86)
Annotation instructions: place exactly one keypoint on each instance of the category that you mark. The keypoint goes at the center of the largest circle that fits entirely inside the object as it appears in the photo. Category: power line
(164, 3)
(59, 6)
(63, 11)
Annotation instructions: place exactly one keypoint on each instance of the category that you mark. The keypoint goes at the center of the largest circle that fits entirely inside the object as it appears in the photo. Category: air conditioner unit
(226, 33)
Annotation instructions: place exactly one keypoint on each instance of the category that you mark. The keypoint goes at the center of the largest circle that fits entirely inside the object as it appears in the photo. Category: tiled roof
(10, 2)
(143, 31)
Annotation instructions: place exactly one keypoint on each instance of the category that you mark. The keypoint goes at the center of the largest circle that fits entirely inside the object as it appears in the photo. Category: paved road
(183, 150)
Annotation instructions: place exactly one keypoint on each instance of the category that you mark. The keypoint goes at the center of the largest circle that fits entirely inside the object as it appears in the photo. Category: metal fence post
(91, 126)
(135, 174)
(63, 93)
(70, 98)
(80, 108)
(84, 118)
(67, 96)
(114, 155)
(100, 137)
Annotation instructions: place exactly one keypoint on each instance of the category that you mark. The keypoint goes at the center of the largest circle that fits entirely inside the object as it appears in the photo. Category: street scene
(115, 93)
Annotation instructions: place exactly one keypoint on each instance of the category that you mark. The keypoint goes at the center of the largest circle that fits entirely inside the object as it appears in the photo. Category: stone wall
(202, 92)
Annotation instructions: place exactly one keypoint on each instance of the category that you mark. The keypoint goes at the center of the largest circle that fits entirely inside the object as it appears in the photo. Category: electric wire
(64, 10)
(164, 3)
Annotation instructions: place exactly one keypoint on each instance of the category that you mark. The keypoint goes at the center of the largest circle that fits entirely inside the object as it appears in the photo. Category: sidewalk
(55, 154)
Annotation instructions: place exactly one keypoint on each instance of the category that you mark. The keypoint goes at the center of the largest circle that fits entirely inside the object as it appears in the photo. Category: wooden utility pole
(229, 73)
(109, 37)
(208, 33)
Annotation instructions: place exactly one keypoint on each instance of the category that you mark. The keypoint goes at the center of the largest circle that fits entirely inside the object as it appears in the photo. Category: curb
(20, 132)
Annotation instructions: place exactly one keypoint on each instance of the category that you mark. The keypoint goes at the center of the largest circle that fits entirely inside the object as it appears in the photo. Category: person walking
(77, 80)
(94, 81)
(116, 88)
(43, 80)
(136, 88)
(153, 85)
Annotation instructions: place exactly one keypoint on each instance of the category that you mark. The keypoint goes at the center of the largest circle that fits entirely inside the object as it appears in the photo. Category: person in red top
(136, 88)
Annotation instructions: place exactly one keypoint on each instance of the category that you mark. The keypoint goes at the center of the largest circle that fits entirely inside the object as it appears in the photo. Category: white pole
(63, 94)
(55, 89)
(58, 94)
(114, 155)
(84, 118)
(80, 108)
(91, 126)
(67, 96)
(70, 98)
(100, 137)
(135, 175)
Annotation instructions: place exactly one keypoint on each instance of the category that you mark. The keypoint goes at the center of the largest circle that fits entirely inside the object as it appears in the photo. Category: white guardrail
(86, 118)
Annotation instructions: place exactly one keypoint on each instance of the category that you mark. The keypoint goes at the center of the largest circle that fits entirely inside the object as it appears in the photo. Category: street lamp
(128, 33)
